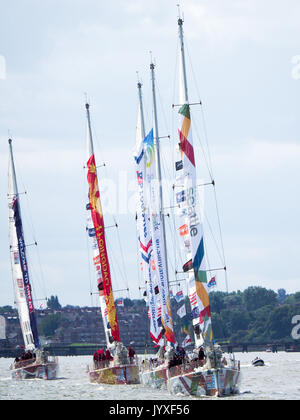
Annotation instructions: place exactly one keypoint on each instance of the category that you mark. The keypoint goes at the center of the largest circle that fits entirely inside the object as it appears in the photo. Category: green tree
(50, 324)
(255, 297)
(217, 302)
(53, 303)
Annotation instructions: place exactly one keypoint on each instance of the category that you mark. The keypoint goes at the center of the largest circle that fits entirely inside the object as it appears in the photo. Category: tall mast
(158, 164)
(185, 92)
(198, 292)
(106, 296)
(14, 186)
(141, 110)
(89, 128)
(20, 274)
(161, 258)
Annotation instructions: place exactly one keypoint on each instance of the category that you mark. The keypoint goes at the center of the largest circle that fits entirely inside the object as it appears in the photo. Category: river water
(279, 379)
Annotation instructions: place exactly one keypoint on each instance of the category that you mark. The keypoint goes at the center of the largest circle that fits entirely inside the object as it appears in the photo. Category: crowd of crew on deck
(103, 357)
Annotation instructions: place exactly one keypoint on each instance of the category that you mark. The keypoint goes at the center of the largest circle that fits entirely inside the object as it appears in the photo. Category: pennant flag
(179, 296)
(16, 258)
(120, 302)
(180, 197)
(186, 342)
(195, 313)
(212, 282)
(184, 230)
(193, 299)
(188, 266)
(91, 232)
(179, 165)
(181, 311)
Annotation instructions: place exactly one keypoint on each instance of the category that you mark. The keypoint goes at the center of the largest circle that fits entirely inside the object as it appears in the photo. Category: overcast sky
(243, 63)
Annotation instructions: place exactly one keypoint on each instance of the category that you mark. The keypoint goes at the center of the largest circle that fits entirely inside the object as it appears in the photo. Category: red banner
(97, 217)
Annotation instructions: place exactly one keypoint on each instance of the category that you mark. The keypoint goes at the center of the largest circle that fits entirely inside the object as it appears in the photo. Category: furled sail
(154, 200)
(143, 227)
(104, 281)
(20, 273)
(191, 227)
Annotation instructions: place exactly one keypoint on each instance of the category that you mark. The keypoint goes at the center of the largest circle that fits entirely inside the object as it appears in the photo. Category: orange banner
(97, 217)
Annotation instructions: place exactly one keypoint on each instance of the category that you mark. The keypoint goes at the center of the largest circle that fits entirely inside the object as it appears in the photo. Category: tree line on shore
(255, 315)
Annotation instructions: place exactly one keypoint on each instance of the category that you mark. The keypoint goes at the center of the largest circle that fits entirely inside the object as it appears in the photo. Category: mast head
(180, 21)
(87, 106)
(9, 141)
(152, 66)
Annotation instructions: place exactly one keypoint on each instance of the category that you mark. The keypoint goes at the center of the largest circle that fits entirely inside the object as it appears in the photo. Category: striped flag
(193, 299)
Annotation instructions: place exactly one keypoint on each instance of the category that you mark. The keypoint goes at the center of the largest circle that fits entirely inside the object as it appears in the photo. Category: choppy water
(279, 379)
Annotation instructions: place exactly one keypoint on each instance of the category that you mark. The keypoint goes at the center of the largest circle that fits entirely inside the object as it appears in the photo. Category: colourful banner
(145, 243)
(98, 222)
(25, 273)
(190, 215)
(153, 203)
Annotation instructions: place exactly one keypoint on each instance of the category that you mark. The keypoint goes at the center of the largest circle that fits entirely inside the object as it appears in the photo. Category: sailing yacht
(34, 361)
(112, 365)
(213, 375)
(152, 242)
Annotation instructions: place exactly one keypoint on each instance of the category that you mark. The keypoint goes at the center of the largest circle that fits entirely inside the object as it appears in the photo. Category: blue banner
(24, 268)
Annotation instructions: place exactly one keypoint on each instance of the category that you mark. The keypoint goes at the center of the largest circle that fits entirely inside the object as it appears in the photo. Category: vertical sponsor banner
(97, 265)
(98, 222)
(152, 194)
(190, 212)
(145, 245)
(25, 273)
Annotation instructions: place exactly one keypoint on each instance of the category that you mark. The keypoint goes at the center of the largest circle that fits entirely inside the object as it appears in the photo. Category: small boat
(34, 362)
(116, 365)
(258, 362)
(40, 366)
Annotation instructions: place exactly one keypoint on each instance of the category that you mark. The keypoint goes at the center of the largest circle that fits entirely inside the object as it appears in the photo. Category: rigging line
(122, 254)
(87, 238)
(39, 280)
(112, 215)
(221, 236)
(112, 262)
(138, 259)
(202, 111)
(210, 164)
(177, 253)
(198, 136)
(89, 266)
(214, 239)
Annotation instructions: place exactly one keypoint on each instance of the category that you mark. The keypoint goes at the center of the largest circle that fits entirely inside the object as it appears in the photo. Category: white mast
(184, 94)
(197, 280)
(18, 281)
(158, 165)
(161, 256)
(141, 111)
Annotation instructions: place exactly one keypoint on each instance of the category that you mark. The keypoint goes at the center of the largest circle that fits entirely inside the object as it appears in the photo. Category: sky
(243, 63)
